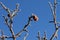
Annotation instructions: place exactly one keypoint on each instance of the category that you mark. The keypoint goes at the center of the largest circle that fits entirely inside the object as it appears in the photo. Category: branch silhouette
(9, 22)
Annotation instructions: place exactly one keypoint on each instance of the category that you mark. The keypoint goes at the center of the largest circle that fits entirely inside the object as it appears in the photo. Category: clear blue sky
(40, 8)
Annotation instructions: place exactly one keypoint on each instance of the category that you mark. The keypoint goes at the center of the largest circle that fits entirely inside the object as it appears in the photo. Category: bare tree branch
(34, 17)
(4, 7)
(25, 36)
(14, 13)
(53, 9)
(2, 34)
(25, 27)
(38, 36)
(54, 19)
(51, 6)
(44, 36)
(55, 34)
(9, 26)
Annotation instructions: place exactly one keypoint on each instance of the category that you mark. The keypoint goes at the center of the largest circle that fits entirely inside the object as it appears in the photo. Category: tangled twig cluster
(9, 22)
(53, 10)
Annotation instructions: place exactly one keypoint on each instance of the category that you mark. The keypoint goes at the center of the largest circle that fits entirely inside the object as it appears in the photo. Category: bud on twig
(35, 17)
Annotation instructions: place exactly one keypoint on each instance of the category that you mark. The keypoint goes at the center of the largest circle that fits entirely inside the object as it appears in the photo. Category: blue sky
(39, 7)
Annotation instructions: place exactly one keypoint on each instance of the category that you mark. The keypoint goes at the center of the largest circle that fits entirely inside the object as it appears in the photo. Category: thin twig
(53, 9)
(38, 36)
(4, 7)
(34, 17)
(10, 16)
(55, 34)
(44, 36)
(25, 36)
(2, 34)
(25, 27)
